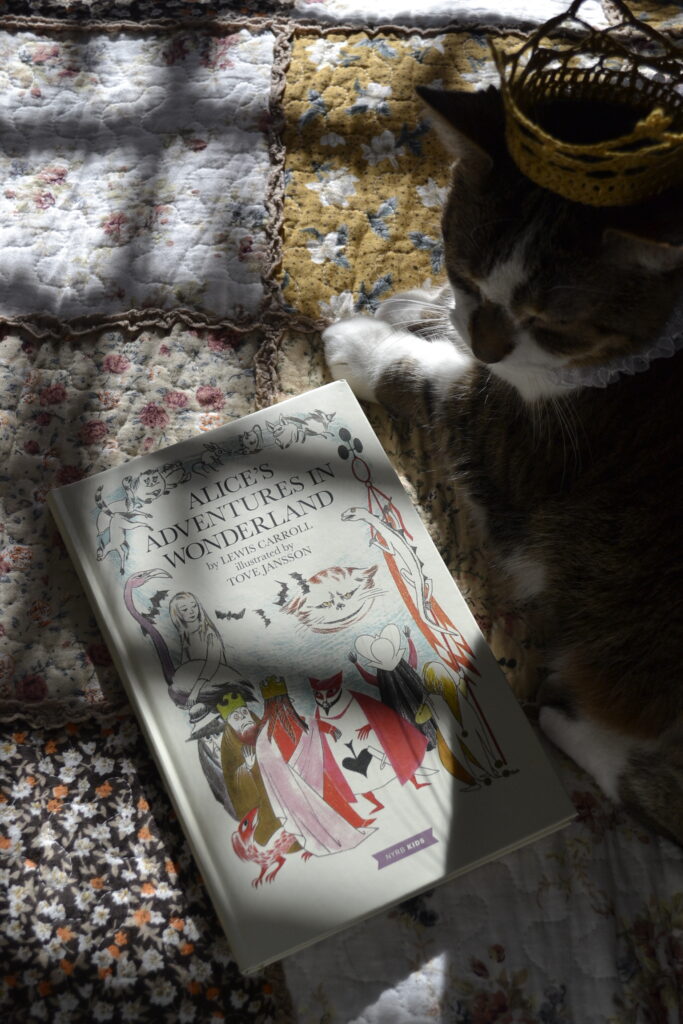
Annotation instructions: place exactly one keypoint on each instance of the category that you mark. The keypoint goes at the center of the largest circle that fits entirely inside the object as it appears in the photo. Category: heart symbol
(382, 651)
(358, 764)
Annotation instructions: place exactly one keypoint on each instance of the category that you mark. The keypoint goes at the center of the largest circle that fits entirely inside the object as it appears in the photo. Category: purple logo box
(406, 848)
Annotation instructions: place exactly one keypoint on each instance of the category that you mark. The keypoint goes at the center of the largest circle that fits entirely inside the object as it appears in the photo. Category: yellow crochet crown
(629, 65)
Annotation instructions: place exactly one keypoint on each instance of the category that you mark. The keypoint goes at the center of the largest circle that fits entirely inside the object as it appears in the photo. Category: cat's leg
(644, 774)
(600, 751)
(373, 356)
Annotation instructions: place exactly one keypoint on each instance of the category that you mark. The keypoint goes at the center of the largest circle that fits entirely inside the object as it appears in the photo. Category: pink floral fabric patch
(69, 410)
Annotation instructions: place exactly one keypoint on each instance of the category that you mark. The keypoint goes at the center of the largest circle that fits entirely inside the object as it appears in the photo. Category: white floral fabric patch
(523, 13)
(135, 171)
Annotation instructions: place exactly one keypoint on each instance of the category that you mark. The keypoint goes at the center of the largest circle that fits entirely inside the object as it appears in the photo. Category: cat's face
(332, 599)
(540, 282)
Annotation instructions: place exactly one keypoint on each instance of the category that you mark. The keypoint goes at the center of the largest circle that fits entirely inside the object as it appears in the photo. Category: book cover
(330, 724)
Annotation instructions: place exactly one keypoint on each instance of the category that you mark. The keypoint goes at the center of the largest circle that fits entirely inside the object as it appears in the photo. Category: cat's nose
(491, 333)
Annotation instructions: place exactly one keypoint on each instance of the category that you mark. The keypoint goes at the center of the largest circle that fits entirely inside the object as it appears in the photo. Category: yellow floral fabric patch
(366, 174)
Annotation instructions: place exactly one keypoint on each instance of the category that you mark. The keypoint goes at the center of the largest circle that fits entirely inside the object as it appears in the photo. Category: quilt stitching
(151, 191)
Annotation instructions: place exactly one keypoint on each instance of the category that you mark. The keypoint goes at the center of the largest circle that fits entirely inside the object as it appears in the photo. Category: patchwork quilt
(189, 192)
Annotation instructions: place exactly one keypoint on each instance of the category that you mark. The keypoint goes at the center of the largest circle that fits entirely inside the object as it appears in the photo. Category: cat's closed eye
(465, 284)
(544, 321)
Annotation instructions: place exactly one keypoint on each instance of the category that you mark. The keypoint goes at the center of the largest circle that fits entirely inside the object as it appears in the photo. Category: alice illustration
(289, 430)
(412, 696)
(203, 675)
(182, 678)
(270, 857)
(400, 686)
(349, 717)
(114, 522)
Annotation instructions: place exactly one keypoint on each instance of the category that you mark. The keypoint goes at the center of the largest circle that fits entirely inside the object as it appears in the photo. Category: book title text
(239, 507)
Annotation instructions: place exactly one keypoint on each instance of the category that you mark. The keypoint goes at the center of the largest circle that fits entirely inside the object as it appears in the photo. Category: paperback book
(331, 727)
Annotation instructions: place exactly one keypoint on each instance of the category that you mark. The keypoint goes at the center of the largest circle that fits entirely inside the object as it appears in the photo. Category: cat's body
(576, 485)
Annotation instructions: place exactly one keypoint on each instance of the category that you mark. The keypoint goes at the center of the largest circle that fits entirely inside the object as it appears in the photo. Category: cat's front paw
(352, 353)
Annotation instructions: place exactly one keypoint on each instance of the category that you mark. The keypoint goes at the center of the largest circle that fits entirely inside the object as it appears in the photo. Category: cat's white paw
(602, 752)
(360, 349)
(352, 353)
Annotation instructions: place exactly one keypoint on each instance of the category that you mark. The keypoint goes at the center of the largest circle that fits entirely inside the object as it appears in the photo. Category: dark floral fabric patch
(105, 917)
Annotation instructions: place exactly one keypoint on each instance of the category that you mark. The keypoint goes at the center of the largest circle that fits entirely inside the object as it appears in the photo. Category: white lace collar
(667, 344)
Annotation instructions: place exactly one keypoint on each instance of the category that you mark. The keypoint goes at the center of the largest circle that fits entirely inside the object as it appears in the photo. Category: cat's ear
(470, 124)
(646, 253)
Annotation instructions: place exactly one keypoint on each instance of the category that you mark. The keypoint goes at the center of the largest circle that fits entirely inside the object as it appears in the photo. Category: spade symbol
(357, 763)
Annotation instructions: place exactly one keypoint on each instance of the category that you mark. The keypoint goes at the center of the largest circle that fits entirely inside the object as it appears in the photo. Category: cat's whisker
(433, 335)
(430, 311)
(577, 426)
(409, 324)
(432, 307)
(559, 419)
(539, 423)
(410, 300)
(533, 416)
(426, 327)
(423, 320)
(484, 386)
(568, 430)
(436, 327)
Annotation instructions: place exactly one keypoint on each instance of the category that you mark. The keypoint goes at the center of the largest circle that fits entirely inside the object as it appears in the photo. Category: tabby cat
(554, 400)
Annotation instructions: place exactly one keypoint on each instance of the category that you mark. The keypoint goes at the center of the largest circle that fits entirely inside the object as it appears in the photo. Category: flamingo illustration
(139, 579)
